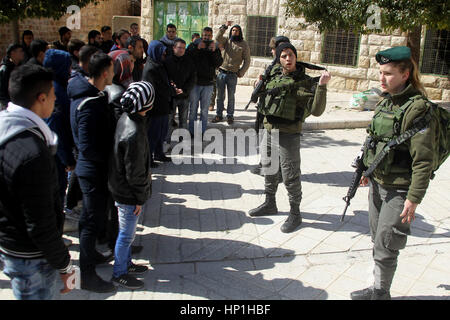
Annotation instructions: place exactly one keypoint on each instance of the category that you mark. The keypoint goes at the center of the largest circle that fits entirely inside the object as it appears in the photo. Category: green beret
(393, 54)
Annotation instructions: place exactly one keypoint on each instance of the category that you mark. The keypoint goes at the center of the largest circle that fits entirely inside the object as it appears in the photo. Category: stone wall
(92, 17)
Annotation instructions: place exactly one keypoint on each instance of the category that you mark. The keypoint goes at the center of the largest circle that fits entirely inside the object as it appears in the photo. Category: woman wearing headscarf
(156, 74)
(123, 69)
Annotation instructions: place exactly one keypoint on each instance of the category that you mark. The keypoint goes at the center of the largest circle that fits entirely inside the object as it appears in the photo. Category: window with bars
(340, 47)
(259, 32)
(436, 52)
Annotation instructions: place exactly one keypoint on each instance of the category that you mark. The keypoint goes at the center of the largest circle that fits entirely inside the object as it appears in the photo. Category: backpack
(442, 117)
(442, 144)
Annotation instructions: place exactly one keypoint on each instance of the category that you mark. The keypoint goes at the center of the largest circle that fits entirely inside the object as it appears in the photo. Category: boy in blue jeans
(130, 178)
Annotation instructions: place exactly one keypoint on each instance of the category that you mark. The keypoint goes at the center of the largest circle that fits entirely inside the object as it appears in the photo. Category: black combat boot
(364, 294)
(294, 219)
(269, 207)
(370, 294)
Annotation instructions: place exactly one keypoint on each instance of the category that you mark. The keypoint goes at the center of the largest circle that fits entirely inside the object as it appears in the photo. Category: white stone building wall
(308, 42)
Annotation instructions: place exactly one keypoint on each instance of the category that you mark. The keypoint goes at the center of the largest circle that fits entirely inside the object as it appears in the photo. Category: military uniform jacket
(410, 165)
(309, 98)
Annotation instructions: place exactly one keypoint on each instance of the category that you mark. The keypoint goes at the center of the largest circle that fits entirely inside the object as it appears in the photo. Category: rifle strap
(418, 125)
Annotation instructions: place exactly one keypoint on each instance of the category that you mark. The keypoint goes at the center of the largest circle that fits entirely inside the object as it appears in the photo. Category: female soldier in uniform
(400, 181)
(292, 96)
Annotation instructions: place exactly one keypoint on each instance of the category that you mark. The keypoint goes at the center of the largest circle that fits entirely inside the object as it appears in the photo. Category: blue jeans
(31, 279)
(200, 94)
(230, 81)
(127, 230)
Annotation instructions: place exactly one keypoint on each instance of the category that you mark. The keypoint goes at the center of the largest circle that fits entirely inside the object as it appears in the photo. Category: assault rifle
(260, 85)
(360, 168)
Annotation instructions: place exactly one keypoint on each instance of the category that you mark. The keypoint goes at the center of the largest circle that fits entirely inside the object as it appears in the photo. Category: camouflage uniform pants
(388, 233)
(287, 150)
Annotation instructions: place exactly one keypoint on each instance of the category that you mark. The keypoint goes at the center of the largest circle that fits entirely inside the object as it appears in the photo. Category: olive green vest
(385, 126)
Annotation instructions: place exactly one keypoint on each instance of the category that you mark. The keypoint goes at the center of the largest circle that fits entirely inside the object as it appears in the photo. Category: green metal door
(187, 16)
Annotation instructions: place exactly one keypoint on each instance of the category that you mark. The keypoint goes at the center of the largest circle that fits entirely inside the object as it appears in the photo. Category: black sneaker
(364, 294)
(230, 120)
(163, 158)
(96, 284)
(137, 270)
(128, 282)
(217, 119)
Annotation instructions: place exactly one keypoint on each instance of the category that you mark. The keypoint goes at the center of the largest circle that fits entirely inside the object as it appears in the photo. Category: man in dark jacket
(135, 47)
(14, 57)
(207, 57)
(38, 49)
(59, 61)
(74, 48)
(64, 37)
(31, 216)
(129, 177)
(169, 38)
(182, 73)
(107, 42)
(27, 38)
(93, 132)
(156, 74)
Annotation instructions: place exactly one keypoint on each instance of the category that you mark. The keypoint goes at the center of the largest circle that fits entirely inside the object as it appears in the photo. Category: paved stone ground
(200, 243)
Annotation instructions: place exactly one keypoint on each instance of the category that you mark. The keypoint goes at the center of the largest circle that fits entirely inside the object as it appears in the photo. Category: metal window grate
(259, 32)
(436, 52)
(341, 47)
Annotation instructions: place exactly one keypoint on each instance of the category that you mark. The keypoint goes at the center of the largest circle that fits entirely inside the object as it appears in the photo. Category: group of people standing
(97, 114)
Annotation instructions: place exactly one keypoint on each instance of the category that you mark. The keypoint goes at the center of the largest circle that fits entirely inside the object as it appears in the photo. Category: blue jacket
(59, 61)
(93, 127)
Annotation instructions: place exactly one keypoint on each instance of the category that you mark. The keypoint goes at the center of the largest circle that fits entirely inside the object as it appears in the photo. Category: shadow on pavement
(218, 274)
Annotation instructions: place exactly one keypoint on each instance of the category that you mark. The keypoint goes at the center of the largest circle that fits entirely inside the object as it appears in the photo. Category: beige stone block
(363, 50)
(351, 84)
(304, 56)
(309, 45)
(398, 41)
(446, 95)
(373, 74)
(373, 63)
(337, 83)
(434, 94)
(364, 38)
(374, 84)
(444, 83)
(374, 39)
(318, 46)
(429, 81)
(315, 57)
(238, 9)
(364, 62)
(347, 72)
(373, 49)
(362, 85)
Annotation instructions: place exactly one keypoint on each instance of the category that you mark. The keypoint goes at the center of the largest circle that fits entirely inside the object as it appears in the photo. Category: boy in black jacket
(129, 178)
(31, 213)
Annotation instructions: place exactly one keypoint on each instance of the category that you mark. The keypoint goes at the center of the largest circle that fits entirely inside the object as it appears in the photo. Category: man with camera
(236, 62)
(207, 57)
